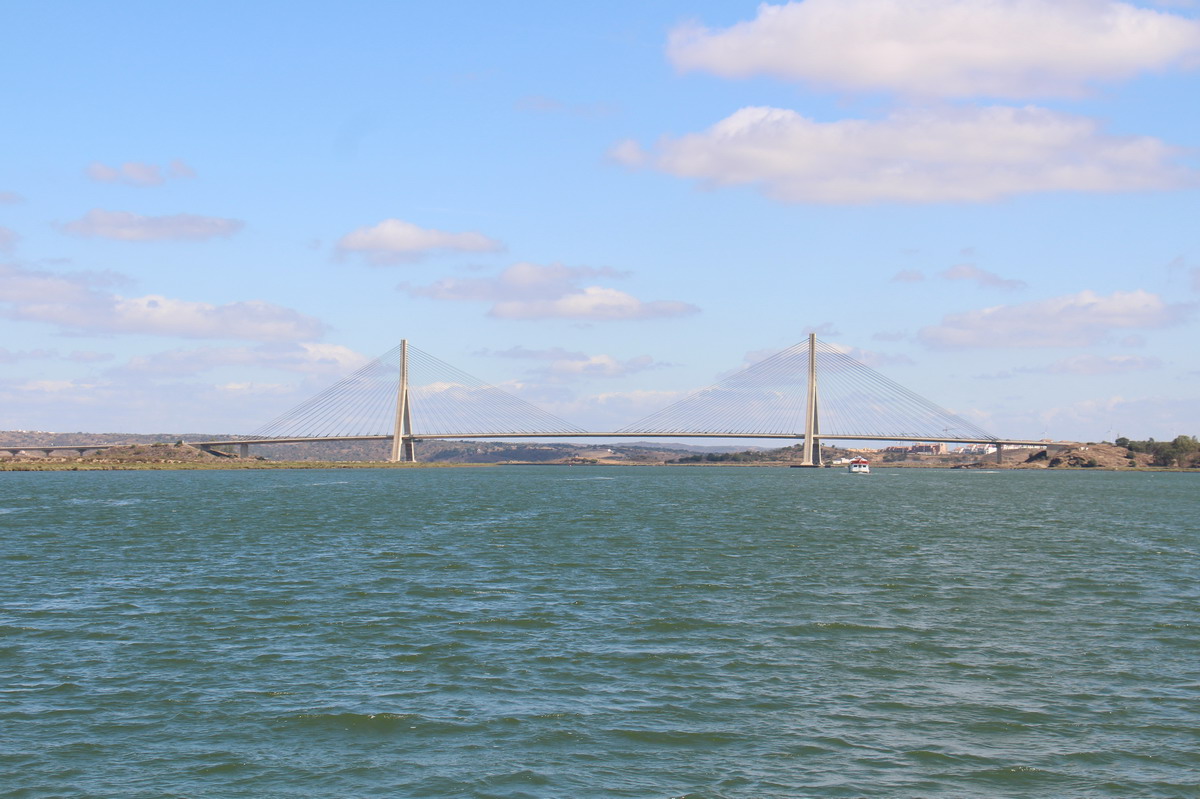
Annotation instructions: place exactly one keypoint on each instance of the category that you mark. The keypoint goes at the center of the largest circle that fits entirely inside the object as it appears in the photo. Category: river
(599, 632)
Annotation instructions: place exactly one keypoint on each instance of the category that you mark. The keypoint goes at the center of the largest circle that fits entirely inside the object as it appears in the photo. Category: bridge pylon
(811, 454)
(403, 449)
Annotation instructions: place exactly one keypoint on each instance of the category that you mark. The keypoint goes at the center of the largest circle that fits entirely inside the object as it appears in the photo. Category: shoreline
(227, 465)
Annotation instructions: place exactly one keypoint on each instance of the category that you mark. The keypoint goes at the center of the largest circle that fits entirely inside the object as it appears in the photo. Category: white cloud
(1070, 321)
(908, 276)
(10, 198)
(53, 386)
(138, 405)
(178, 169)
(303, 358)
(916, 155)
(127, 226)
(1107, 418)
(874, 358)
(396, 241)
(560, 364)
(983, 277)
(77, 356)
(869, 357)
(608, 410)
(267, 389)
(12, 356)
(8, 239)
(529, 291)
(822, 329)
(80, 301)
(253, 319)
(945, 48)
(89, 356)
(595, 303)
(1097, 365)
(135, 173)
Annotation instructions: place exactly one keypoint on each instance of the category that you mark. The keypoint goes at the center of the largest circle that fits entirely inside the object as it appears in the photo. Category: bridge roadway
(793, 436)
(225, 442)
(243, 443)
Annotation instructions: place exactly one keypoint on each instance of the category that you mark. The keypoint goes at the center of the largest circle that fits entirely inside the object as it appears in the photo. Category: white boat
(859, 466)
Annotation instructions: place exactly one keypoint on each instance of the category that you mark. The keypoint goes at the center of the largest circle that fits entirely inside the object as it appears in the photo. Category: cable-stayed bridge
(810, 392)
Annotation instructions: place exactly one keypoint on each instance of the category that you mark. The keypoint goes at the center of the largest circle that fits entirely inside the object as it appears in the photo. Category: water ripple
(612, 633)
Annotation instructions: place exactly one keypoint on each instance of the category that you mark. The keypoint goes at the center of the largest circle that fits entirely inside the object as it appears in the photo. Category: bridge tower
(402, 440)
(811, 455)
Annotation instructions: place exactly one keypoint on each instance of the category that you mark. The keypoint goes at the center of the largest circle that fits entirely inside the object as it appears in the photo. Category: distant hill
(450, 451)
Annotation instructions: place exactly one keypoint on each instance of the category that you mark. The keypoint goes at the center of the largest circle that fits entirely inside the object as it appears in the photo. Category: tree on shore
(1180, 451)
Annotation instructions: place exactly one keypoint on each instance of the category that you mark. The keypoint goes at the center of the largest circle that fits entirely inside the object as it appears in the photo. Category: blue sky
(210, 211)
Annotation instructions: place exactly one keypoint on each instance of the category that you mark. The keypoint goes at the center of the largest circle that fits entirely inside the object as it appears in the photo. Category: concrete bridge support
(243, 450)
(403, 450)
(811, 455)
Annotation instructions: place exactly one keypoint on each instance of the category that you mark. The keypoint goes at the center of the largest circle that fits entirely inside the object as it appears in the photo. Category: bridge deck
(228, 442)
(618, 434)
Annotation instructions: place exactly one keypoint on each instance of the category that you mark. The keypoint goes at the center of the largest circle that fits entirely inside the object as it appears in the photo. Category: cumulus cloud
(12, 356)
(608, 410)
(135, 173)
(8, 239)
(251, 319)
(876, 359)
(908, 276)
(1097, 365)
(944, 48)
(983, 277)
(1106, 418)
(915, 155)
(1070, 321)
(595, 303)
(822, 329)
(82, 301)
(89, 356)
(10, 198)
(304, 357)
(871, 358)
(76, 356)
(559, 364)
(178, 169)
(396, 241)
(127, 226)
(530, 291)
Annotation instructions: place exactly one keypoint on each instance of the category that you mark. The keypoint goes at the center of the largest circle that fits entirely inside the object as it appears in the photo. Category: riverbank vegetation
(1181, 451)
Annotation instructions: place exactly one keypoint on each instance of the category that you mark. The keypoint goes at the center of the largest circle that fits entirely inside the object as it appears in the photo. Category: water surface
(599, 632)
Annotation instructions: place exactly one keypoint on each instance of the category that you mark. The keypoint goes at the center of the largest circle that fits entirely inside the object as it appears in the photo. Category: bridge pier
(999, 452)
(403, 449)
(811, 454)
(243, 450)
